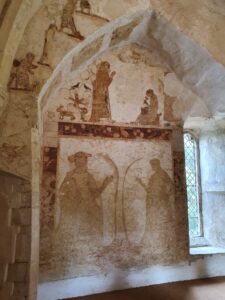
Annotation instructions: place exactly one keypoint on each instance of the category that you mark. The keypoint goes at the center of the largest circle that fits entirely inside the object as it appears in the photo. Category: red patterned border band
(113, 131)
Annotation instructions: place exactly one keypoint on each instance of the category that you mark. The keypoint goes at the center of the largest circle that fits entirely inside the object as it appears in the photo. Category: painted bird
(73, 87)
(87, 87)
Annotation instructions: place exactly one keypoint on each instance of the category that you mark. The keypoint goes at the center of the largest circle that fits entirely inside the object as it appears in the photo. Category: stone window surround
(199, 245)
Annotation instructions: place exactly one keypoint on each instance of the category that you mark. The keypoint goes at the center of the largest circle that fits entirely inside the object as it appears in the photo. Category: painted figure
(101, 104)
(149, 110)
(85, 6)
(168, 108)
(10, 152)
(79, 103)
(65, 113)
(48, 43)
(159, 207)
(20, 77)
(80, 210)
(68, 21)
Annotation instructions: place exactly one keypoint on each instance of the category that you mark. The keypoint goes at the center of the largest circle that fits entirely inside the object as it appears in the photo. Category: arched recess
(145, 40)
(161, 39)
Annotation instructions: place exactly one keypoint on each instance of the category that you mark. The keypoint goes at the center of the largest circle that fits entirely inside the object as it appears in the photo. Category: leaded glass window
(192, 185)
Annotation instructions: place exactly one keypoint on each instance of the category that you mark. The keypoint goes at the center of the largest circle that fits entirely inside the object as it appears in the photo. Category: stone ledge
(206, 250)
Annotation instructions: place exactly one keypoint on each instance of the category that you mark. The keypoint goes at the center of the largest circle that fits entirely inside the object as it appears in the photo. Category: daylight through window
(192, 185)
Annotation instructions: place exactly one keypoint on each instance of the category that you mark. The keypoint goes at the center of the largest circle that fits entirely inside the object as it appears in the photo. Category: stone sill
(206, 250)
(214, 188)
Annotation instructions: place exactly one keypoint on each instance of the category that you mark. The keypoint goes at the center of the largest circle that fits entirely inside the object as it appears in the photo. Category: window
(192, 185)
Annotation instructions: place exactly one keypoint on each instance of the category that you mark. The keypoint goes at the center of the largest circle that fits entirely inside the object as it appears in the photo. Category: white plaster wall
(212, 146)
(210, 266)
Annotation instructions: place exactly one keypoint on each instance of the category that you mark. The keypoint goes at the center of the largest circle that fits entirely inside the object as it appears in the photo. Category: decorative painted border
(50, 159)
(179, 174)
(112, 131)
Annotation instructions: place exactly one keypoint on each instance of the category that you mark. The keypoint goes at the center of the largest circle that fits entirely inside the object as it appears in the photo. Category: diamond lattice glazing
(192, 185)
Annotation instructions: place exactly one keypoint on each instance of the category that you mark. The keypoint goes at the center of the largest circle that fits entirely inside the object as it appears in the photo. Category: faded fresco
(114, 199)
(159, 204)
(149, 110)
(107, 190)
(22, 74)
(105, 203)
(100, 101)
(108, 91)
(111, 196)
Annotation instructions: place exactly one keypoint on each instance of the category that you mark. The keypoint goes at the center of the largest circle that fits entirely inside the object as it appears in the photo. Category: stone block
(23, 248)
(26, 199)
(25, 216)
(21, 289)
(18, 272)
(15, 217)
(4, 211)
(3, 272)
(15, 200)
(21, 217)
(7, 249)
(6, 290)
(18, 298)
(26, 230)
(25, 187)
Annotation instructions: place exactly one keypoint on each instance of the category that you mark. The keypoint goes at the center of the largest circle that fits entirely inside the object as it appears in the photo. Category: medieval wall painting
(100, 101)
(149, 111)
(107, 91)
(78, 101)
(67, 21)
(110, 197)
(58, 27)
(49, 39)
(21, 77)
(49, 188)
(109, 95)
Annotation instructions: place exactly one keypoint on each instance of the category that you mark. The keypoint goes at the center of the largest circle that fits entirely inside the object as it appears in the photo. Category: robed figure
(159, 205)
(80, 216)
(101, 103)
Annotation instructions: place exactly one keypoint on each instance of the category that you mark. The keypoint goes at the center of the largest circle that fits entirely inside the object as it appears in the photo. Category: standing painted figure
(101, 104)
(48, 43)
(68, 21)
(85, 6)
(159, 206)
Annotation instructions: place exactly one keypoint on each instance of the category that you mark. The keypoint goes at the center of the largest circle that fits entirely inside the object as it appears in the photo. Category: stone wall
(213, 185)
(15, 220)
(113, 123)
(49, 36)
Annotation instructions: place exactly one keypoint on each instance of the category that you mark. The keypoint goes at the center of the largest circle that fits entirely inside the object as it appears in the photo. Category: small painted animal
(85, 6)
(65, 113)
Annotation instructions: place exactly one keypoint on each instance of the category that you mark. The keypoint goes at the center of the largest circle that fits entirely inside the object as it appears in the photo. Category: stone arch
(145, 32)
(162, 36)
